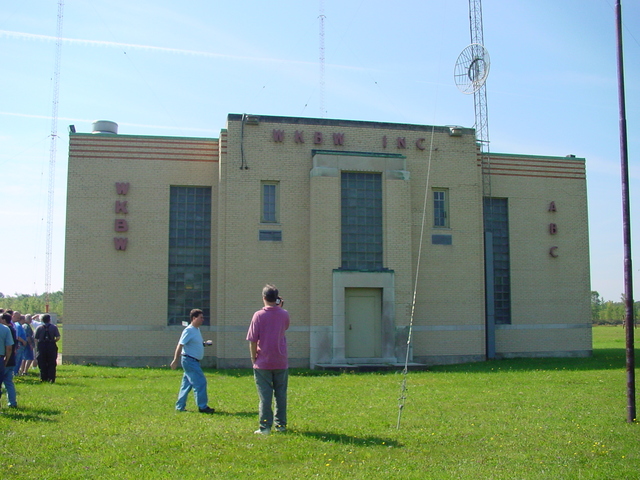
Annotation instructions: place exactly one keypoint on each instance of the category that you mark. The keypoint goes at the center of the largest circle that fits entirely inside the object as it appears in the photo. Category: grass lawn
(509, 419)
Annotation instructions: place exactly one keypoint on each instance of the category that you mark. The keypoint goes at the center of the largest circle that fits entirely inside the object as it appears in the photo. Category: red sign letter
(552, 207)
(120, 243)
(122, 188)
(317, 138)
(338, 138)
(402, 142)
(298, 137)
(121, 225)
(278, 135)
(121, 207)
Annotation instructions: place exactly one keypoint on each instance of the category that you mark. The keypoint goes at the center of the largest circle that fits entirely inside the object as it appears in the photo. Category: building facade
(339, 215)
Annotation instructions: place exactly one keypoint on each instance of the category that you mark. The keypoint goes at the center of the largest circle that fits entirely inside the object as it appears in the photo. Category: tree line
(602, 312)
(608, 312)
(34, 303)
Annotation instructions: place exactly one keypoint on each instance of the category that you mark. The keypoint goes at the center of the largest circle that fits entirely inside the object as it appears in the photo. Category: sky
(159, 68)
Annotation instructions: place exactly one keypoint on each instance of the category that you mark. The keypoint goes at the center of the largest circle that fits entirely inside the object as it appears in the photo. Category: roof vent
(455, 131)
(105, 126)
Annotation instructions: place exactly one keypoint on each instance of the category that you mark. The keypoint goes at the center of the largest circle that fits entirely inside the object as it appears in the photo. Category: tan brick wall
(546, 291)
(127, 291)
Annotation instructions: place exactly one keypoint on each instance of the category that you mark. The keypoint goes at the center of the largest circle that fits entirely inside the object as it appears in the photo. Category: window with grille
(361, 221)
(269, 202)
(189, 253)
(441, 208)
(497, 212)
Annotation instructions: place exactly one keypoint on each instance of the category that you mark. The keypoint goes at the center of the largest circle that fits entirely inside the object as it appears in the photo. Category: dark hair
(46, 318)
(270, 293)
(6, 317)
(196, 312)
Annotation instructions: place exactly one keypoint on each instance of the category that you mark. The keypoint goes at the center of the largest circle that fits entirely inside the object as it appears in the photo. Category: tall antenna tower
(321, 17)
(52, 157)
(470, 74)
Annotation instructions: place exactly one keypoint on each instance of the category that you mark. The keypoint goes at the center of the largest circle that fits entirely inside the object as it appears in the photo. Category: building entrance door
(363, 321)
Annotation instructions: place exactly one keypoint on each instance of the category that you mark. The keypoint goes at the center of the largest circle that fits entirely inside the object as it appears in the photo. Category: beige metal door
(363, 318)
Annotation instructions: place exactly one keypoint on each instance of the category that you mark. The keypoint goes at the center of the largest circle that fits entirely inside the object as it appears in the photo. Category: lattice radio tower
(52, 157)
(470, 74)
(321, 17)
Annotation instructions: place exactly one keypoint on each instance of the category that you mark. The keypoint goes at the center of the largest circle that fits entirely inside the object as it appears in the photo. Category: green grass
(510, 419)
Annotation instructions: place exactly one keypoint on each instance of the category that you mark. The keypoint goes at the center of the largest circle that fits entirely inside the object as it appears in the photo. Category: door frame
(347, 279)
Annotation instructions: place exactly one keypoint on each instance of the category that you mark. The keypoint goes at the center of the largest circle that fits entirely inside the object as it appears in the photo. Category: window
(189, 253)
(269, 202)
(497, 212)
(441, 208)
(362, 221)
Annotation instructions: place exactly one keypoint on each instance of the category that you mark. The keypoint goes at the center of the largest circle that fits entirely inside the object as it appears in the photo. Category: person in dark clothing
(46, 337)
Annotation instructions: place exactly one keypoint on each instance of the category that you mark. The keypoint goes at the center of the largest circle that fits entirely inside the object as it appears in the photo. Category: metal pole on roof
(626, 228)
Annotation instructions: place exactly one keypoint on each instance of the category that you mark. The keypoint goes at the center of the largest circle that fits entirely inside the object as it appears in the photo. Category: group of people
(26, 339)
(268, 353)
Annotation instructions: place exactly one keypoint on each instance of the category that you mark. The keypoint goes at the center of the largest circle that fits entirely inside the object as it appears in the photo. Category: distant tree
(612, 312)
(34, 303)
(596, 307)
(623, 300)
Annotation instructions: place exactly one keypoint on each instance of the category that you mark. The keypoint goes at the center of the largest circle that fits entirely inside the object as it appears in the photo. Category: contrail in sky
(177, 51)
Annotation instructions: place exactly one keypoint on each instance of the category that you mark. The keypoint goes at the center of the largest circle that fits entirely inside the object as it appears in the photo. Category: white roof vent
(105, 126)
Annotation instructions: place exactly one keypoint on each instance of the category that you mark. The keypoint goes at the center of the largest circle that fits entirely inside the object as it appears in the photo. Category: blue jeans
(192, 378)
(19, 357)
(268, 383)
(11, 388)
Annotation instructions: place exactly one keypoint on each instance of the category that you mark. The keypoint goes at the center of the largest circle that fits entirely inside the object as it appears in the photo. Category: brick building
(331, 212)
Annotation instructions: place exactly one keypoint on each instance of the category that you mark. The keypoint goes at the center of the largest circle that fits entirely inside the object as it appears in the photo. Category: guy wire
(403, 388)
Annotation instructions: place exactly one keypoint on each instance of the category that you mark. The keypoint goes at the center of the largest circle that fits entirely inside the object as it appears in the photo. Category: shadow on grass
(236, 414)
(349, 439)
(293, 372)
(30, 414)
(602, 359)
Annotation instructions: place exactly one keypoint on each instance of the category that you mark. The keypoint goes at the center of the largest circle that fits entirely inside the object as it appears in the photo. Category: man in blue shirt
(189, 352)
(9, 359)
(21, 338)
(6, 348)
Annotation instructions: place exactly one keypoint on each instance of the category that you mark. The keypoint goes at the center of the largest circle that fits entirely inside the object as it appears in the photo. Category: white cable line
(403, 388)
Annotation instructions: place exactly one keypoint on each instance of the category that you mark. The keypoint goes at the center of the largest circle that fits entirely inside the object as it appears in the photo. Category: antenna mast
(480, 95)
(52, 156)
(470, 74)
(322, 17)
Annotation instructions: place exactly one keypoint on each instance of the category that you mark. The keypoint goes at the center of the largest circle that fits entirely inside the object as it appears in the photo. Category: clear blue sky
(157, 68)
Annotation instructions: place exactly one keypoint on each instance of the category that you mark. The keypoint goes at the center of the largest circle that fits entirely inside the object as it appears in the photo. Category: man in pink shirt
(268, 349)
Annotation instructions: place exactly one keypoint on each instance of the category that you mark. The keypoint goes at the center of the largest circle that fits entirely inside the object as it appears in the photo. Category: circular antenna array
(472, 68)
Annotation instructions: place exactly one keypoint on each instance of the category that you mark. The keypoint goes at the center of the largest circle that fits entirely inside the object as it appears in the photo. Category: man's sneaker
(263, 431)
(206, 409)
(281, 428)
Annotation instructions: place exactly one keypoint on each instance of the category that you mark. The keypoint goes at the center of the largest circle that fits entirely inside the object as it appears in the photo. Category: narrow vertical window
(269, 202)
(189, 253)
(362, 221)
(497, 212)
(441, 208)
